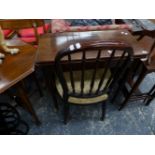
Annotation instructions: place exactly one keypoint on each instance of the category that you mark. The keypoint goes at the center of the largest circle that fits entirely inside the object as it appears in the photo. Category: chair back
(18, 24)
(110, 59)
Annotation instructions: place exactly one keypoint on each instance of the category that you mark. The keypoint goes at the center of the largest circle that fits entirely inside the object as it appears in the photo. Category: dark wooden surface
(50, 44)
(17, 67)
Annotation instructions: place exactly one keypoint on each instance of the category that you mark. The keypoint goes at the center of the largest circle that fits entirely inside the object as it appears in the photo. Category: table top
(17, 67)
(50, 44)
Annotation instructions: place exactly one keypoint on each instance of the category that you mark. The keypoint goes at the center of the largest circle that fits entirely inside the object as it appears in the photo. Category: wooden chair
(95, 77)
(8, 34)
(27, 29)
(140, 69)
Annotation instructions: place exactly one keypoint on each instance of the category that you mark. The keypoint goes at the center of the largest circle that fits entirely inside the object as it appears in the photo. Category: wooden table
(142, 28)
(15, 68)
(50, 44)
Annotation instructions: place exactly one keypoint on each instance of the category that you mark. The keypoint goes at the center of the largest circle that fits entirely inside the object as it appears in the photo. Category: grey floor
(135, 119)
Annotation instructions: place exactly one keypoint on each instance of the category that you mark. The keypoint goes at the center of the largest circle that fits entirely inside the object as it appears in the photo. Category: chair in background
(8, 34)
(140, 69)
(88, 73)
(29, 35)
(27, 29)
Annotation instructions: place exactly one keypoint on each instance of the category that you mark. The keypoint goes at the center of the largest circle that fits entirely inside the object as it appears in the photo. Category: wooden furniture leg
(151, 95)
(134, 87)
(37, 84)
(50, 83)
(26, 102)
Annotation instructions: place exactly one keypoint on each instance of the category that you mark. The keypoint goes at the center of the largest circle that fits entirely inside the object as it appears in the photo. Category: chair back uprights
(97, 66)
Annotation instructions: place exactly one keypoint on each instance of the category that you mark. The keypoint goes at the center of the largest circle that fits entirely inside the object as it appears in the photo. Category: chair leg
(103, 111)
(66, 112)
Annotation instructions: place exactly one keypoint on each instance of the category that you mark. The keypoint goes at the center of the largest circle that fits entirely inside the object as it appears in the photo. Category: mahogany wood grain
(50, 44)
(17, 67)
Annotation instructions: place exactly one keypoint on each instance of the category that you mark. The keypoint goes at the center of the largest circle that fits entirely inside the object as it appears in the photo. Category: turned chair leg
(103, 111)
(66, 112)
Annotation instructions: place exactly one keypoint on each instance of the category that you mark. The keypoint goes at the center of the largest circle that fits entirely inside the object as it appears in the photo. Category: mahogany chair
(95, 78)
(27, 29)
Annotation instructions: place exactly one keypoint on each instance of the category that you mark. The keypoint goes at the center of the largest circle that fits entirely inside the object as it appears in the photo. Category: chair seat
(87, 81)
(30, 32)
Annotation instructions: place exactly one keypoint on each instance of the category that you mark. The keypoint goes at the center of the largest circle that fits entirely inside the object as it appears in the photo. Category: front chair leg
(103, 111)
(66, 112)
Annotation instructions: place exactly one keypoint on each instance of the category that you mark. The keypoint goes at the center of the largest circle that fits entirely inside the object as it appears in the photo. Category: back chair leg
(103, 111)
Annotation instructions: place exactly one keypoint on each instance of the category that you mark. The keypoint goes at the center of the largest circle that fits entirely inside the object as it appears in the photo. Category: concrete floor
(134, 119)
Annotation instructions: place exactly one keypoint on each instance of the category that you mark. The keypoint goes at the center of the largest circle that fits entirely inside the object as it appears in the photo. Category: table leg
(25, 102)
(134, 87)
(50, 83)
(37, 84)
(151, 95)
